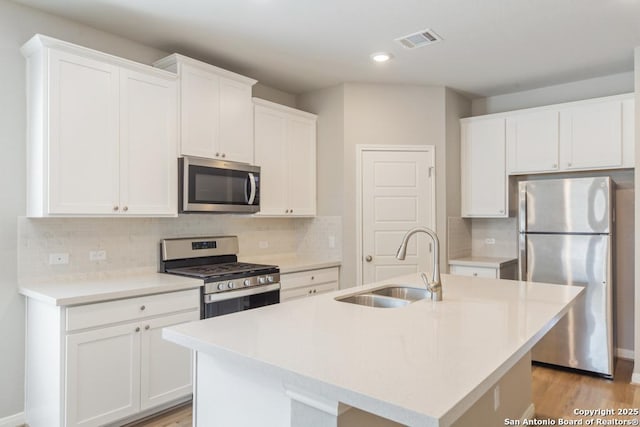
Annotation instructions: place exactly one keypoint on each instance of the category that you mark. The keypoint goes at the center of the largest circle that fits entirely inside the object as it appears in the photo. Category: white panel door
(200, 112)
(592, 135)
(532, 142)
(83, 135)
(166, 368)
(148, 152)
(301, 143)
(103, 375)
(271, 155)
(236, 121)
(397, 195)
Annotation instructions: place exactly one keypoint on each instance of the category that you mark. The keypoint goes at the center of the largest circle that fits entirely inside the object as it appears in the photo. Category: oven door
(240, 300)
(218, 186)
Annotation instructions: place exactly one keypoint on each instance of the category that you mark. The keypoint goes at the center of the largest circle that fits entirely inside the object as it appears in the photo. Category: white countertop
(483, 261)
(425, 363)
(64, 292)
(291, 263)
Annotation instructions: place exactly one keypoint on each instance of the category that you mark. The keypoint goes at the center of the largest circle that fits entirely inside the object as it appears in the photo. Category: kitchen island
(322, 362)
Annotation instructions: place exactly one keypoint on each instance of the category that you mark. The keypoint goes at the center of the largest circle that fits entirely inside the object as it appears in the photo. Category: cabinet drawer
(307, 291)
(462, 270)
(103, 313)
(307, 278)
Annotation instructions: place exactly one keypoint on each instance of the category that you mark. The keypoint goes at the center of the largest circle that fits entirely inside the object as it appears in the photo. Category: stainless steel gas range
(229, 286)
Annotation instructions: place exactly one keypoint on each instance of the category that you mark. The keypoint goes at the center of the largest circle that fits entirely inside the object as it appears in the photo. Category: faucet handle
(425, 280)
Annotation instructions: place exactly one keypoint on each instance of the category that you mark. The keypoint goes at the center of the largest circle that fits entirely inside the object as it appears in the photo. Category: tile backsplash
(133, 243)
(503, 232)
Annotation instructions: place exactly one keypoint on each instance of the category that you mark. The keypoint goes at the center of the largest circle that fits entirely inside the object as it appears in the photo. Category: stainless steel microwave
(207, 185)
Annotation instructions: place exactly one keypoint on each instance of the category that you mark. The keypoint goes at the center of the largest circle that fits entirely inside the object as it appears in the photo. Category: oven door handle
(223, 296)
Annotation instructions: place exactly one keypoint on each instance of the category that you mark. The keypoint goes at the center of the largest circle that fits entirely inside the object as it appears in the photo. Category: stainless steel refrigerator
(566, 238)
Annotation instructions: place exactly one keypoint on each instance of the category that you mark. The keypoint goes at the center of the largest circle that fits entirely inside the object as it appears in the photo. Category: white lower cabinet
(498, 269)
(114, 362)
(308, 283)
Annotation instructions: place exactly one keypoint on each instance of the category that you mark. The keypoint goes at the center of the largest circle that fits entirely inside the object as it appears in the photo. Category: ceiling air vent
(419, 39)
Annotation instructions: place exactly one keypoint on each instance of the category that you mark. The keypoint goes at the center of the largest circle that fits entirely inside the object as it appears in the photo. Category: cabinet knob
(315, 290)
(475, 274)
(138, 329)
(224, 155)
(146, 328)
(568, 165)
(115, 208)
(310, 291)
(312, 277)
(501, 211)
(142, 307)
(286, 211)
(126, 208)
(217, 154)
(554, 166)
(290, 210)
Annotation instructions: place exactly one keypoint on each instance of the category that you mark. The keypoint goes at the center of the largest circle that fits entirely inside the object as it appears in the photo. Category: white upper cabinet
(584, 135)
(484, 178)
(285, 149)
(216, 110)
(532, 142)
(101, 134)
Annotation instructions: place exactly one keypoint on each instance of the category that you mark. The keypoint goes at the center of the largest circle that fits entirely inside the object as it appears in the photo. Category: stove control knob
(270, 279)
(262, 280)
(230, 285)
(247, 282)
(220, 286)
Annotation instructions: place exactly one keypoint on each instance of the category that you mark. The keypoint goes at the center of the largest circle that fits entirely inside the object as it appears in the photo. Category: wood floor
(556, 394)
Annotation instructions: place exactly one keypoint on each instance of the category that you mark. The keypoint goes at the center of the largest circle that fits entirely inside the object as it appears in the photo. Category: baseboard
(624, 353)
(13, 420)
(528, 414)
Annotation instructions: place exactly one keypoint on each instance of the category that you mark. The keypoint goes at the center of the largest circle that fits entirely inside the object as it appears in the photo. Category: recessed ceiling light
(381, 56)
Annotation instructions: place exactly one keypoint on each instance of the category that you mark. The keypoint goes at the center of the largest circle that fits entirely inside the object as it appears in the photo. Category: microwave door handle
(252, 194)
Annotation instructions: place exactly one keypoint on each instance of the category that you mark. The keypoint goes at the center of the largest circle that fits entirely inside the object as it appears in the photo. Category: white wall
(274, 95)
(584, 89)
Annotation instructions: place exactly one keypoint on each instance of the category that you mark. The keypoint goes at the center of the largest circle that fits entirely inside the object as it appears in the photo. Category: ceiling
(490, 47)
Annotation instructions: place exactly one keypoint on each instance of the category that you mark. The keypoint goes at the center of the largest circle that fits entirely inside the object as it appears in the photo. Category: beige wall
(274, 95)
(636, 367)
(328, 104)
(583, 89)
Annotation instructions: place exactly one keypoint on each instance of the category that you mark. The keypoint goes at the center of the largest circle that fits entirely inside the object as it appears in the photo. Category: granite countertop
(73, 291)
(291, 263)
(483, 261)
(425, 363)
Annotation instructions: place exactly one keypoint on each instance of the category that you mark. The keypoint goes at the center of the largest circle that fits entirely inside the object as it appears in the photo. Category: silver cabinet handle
(368, 258)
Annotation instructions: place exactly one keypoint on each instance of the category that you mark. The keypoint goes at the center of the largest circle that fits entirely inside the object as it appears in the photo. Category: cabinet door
(103, 375)
(236, 121)
(301, 145)
(591, 136)
(83, 135)
(148, 137)
(628, 133)
(166, 368)
(199, 112)
(271, 155)
(463, 270)
(484, 181)
(532, 142)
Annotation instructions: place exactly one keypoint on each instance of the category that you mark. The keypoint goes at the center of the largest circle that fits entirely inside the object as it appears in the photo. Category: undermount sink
(391, 296)
(402, 292)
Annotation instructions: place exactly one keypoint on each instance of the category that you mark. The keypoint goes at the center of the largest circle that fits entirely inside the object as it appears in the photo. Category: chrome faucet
(434, 286)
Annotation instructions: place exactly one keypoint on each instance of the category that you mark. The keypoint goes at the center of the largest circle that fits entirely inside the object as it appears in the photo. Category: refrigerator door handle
(522, 225)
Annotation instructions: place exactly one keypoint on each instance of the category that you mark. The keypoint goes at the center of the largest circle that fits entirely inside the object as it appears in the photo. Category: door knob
(368, 258)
